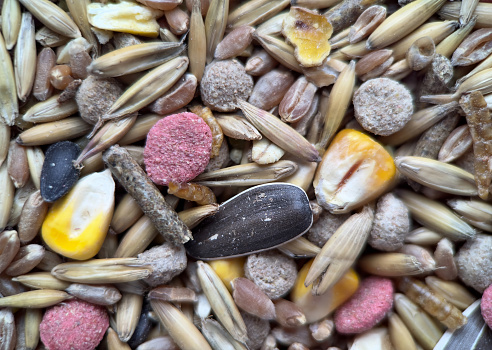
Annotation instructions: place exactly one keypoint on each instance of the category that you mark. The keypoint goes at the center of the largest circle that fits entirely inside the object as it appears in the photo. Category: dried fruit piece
(355, 169)
(309, 33)
(479, 120)
(58, 174)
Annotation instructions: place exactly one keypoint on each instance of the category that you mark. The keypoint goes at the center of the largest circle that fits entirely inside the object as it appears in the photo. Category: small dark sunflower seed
(257, 219)
(58, 174)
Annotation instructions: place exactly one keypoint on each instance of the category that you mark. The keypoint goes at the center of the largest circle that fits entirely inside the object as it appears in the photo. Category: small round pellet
(383, 106)
(223, 83)
(272, 271)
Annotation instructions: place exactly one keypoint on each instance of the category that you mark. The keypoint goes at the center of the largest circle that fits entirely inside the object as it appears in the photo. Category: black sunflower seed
(58, 174)
(260, 218)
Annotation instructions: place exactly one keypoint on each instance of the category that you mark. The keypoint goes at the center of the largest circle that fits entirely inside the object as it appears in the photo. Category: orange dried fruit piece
(317, 307)
(354, 171)
(309, 32)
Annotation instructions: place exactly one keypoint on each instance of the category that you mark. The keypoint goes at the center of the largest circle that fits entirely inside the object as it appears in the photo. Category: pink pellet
(178, 148)
(486, 306)
(74, 325)
(367, 307)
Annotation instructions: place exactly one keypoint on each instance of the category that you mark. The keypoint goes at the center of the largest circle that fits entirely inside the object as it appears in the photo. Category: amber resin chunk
(309, 33)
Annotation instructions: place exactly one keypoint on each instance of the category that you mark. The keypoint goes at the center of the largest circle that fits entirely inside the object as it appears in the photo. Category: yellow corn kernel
(76, 225)
(316, 307)
(354, 170)
(228, 269)
(125, 16)
(309, 33)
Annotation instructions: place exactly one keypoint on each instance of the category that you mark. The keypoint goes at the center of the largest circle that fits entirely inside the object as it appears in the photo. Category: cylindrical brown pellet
(148, 197)
(32, 217)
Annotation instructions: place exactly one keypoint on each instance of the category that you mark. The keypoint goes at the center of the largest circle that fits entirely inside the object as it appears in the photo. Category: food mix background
(262, 174)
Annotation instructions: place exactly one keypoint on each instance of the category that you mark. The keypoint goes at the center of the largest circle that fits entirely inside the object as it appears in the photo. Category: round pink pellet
(486, 306)
(74, 325)
(178, 148)
(367, 307)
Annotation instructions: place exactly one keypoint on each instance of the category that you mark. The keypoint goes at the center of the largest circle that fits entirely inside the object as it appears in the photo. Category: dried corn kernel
(126, 17)
(76, 224)
(309, 33)
(228, 269)
(316, 307)
(355, 170)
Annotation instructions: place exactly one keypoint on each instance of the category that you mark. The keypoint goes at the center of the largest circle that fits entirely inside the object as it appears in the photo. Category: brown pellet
(151, 201)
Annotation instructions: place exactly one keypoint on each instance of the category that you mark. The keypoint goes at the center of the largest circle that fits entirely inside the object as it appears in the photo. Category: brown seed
(371, 61)
(251, 298)
(161, 4)
(178, 20)
(79, 61)
(260, 63)
(476, 47)
(49, 261)
(61, 76)
(42, 84)
(234, 43)
(32, 217)
(9, 246)
(423, 256)
(25, 260)
(270, 88)
(367, 22)
(17, 164)
(297, 101)
(288, 313)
